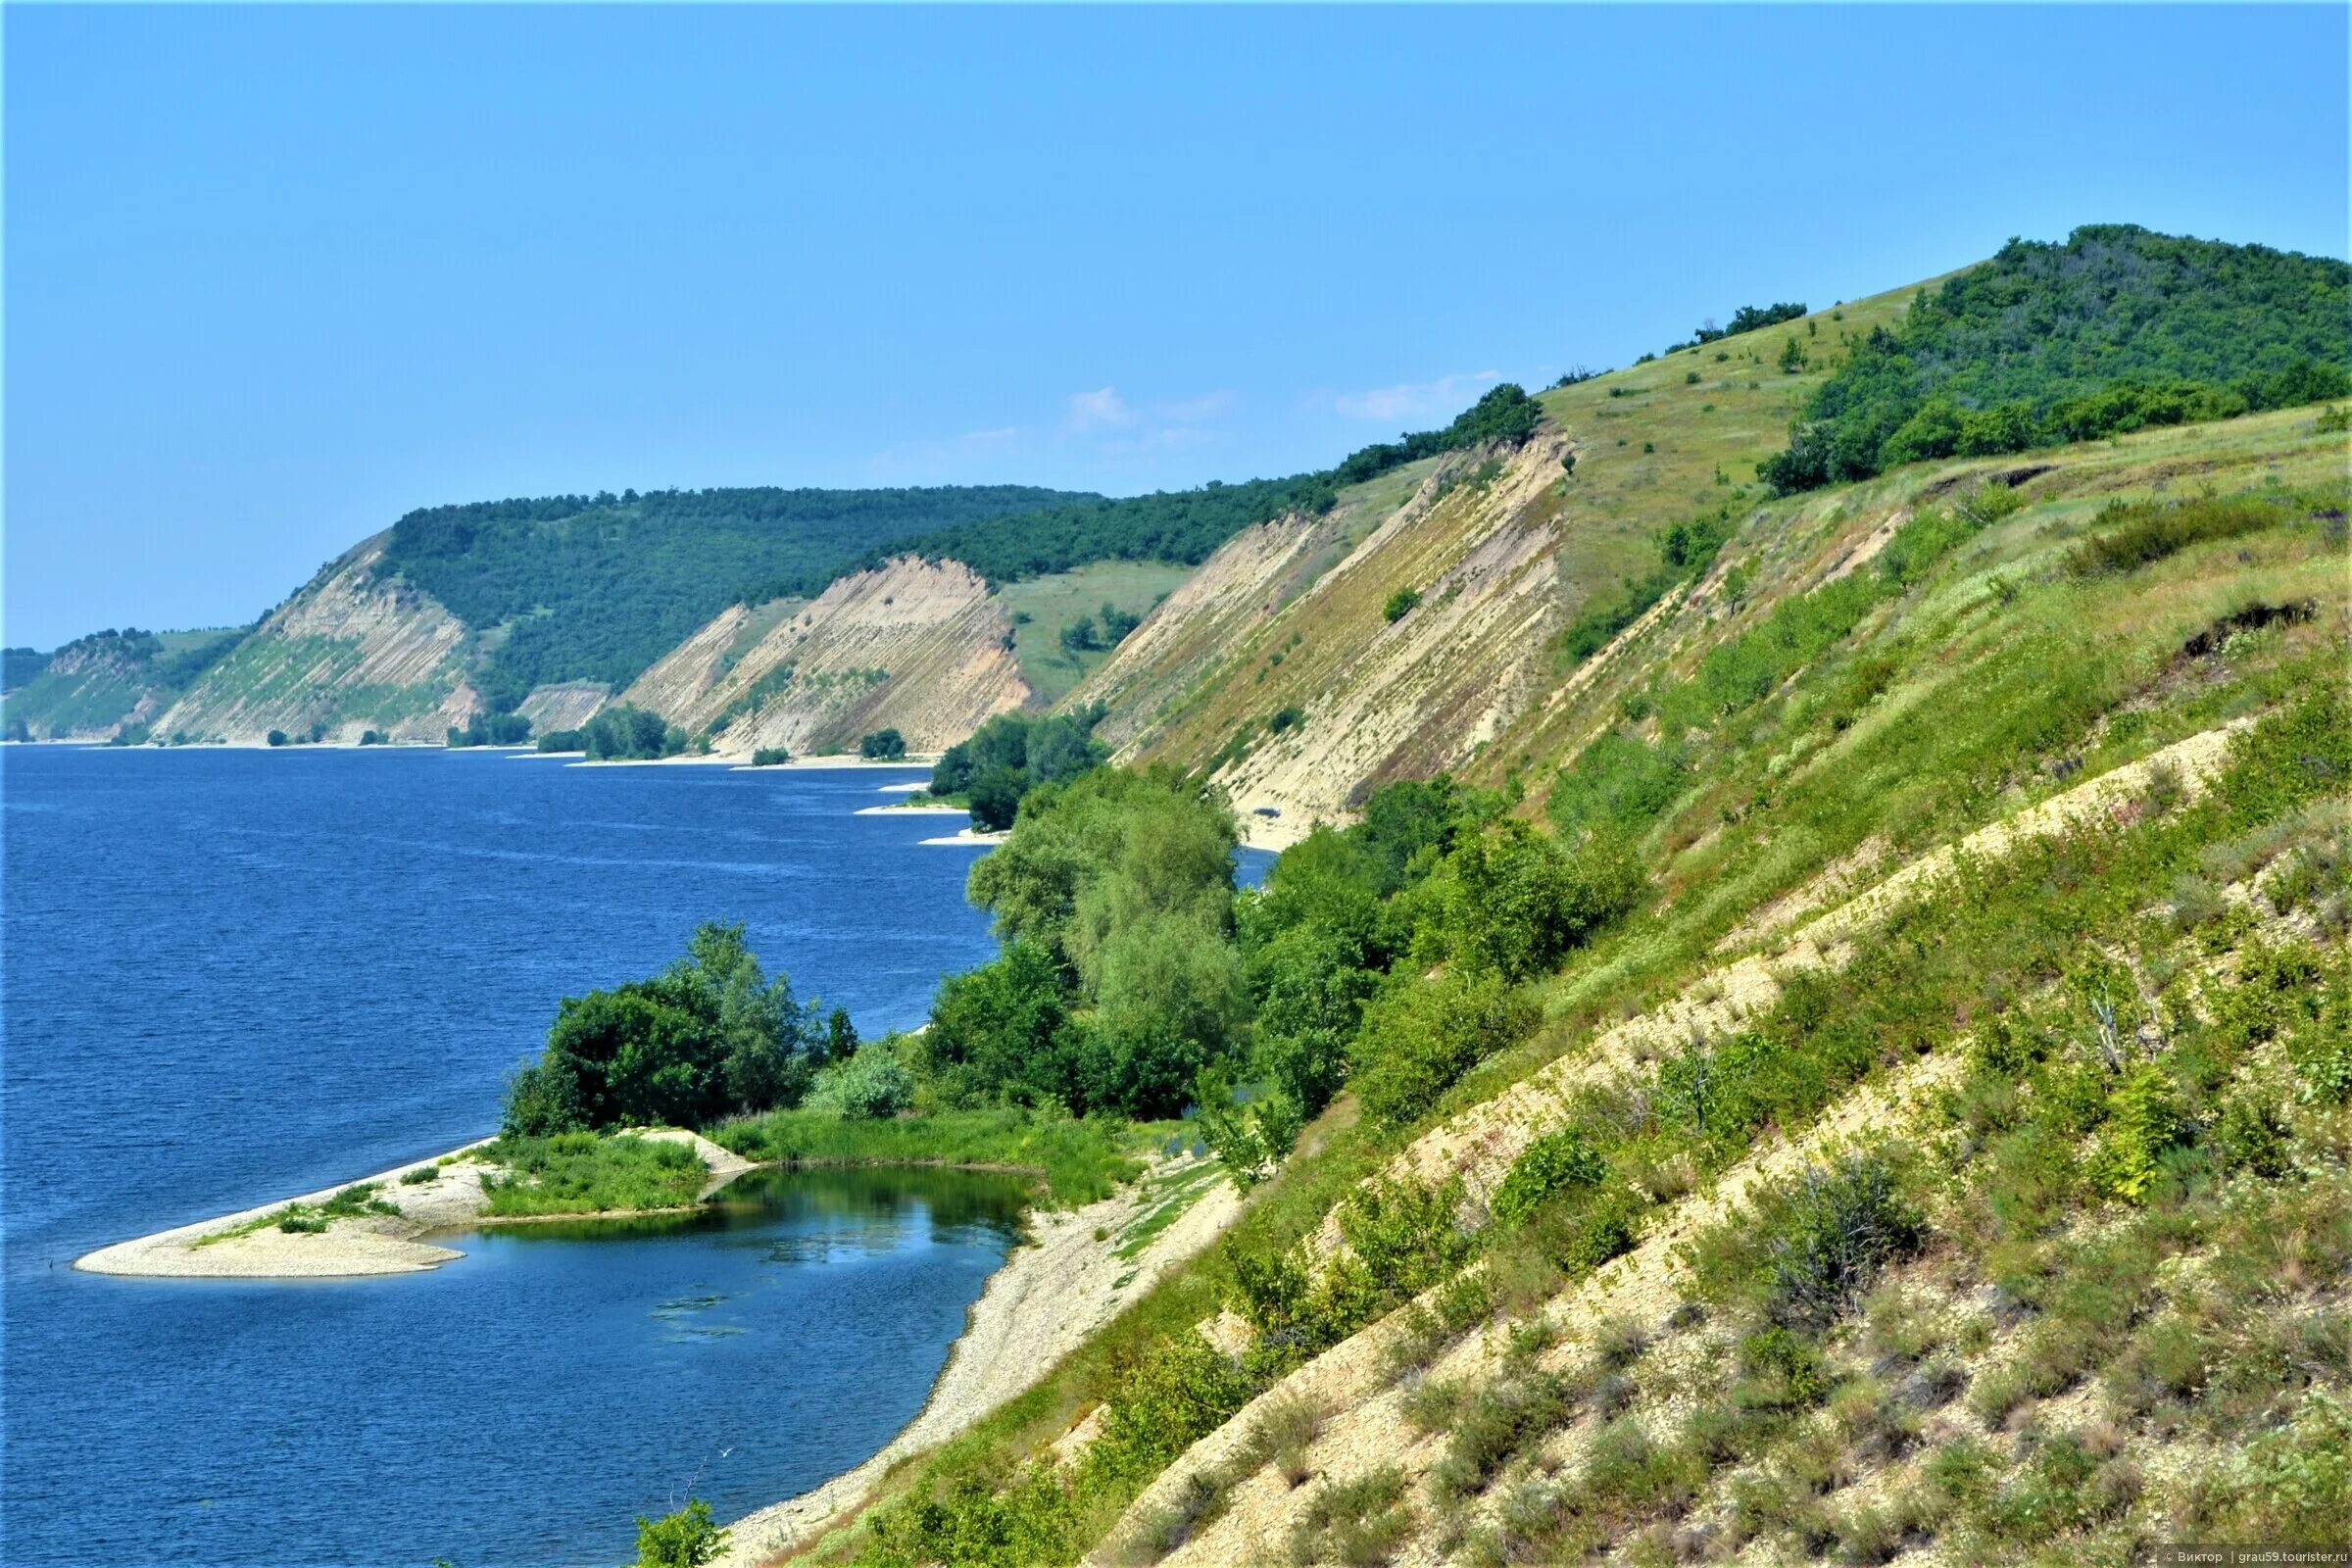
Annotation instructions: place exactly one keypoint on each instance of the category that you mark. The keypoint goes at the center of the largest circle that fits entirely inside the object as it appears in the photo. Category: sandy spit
(1050, 1294)
(904, 809)
(967, 836)
(372, 1243)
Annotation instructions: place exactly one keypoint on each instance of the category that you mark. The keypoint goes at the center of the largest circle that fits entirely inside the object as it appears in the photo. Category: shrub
(1552, 1164)
(2142, 1123)
(1177, 1393)
(1359, 1522)
(1842, 1226)
(770, 756)
(2134, 534)
(1500, 1420)
(1401, 603)
(686, 1538)
(1248, 1139)
(883, 744)
(1422, 1034)
(870, 1084)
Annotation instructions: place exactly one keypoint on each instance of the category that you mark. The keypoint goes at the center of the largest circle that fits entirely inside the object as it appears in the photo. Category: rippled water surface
(235, 975)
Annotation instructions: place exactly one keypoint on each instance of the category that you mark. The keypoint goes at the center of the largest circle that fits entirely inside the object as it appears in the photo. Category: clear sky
(276, 275)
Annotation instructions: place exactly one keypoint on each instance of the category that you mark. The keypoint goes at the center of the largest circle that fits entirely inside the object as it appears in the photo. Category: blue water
(235, 975)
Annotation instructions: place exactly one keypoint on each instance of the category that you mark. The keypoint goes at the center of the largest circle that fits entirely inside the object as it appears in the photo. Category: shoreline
(1049, 1294)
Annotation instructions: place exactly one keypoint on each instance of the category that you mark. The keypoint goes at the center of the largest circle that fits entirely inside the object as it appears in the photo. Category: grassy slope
(1055, 601)
(1604, 520)
(2002, 678)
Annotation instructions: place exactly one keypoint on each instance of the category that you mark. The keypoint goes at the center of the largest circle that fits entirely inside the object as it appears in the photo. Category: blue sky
(276, 275)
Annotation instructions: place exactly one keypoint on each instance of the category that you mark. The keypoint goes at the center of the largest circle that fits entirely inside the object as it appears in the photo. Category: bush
(686, 1538)
(584, 1173)
(770, 756)
(1553, 1164)
(2142, 1123)
(1422, 1035)
(1514, 902)
(1842, 1224)
(883, 744)
(1401, 603)
(871, 1084)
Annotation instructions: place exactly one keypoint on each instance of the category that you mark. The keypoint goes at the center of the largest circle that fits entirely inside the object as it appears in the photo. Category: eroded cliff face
(350, 651)
(913, 646)
(1304, 694)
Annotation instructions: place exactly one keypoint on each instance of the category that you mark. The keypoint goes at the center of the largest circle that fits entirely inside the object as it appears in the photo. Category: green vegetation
(1080, 1161)
(598, 587)
(710, 1036)
(19, 665)
(1799, 719)
(770, 756)
(1400, 605)
(685, 1538)
(493, 729)
(1041, 608)
(1013, 754)
(619, 734)
(2115, 329)
(300, 1219)
(883, 744)
(582, 1173)
(1505, 414)
(1746, 319)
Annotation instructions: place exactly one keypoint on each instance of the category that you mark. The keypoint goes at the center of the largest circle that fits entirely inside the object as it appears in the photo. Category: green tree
(686, 1538)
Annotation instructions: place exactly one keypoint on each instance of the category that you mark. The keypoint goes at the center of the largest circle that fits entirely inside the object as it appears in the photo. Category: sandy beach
(967, 836)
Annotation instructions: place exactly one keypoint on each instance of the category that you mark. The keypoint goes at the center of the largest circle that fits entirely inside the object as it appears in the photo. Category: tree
(710, 1035)
(885, 745)
(1401, 603)
(840, 1036)
(995, 798)
(995, 1030)
(686, 1538)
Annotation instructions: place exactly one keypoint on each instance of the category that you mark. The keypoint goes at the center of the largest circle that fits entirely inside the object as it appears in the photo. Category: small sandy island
(1080, 1270)
(249, 1246)
(912, 808)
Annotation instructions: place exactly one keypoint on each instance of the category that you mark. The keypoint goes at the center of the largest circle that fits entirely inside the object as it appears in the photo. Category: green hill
(2115, 329)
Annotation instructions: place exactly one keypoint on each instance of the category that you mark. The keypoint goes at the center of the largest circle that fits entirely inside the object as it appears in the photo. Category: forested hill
(598, 587)
(2115, 329)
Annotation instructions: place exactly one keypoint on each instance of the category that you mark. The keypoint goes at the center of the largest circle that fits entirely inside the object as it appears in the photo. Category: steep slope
(352, 650)
(1322, 696)
(915, 646)
(1945, 1161)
